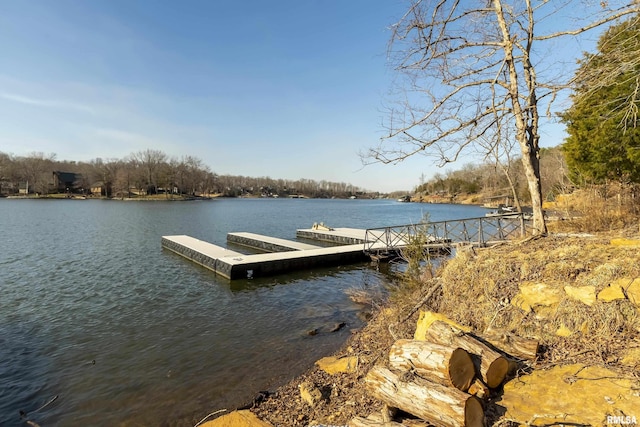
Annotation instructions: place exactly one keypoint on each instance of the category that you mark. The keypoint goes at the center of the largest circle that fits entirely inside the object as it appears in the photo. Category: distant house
(6, 187)
(101, 188)
(23, 188)
(64, 182)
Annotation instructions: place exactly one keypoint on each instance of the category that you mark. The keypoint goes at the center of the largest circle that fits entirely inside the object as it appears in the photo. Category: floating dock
(351, 245)
(267, 243)
(206, 254)
(341, 236)
(284, 255)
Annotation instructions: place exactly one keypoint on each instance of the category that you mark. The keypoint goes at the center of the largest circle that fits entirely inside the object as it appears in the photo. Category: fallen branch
(210, 415)
(423, 301)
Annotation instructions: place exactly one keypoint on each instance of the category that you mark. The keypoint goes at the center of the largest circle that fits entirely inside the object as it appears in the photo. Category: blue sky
(286, 89)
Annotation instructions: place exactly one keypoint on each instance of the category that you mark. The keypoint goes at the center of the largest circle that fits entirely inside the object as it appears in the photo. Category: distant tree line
(490, 181)
(152, 172)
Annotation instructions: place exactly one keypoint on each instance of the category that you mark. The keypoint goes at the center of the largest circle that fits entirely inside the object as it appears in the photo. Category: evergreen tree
(603, 127)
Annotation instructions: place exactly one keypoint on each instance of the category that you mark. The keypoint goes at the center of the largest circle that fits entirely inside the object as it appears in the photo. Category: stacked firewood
(446, 378)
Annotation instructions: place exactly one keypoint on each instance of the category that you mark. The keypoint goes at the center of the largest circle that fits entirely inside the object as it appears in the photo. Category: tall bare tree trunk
(526, 118)
(531, 163)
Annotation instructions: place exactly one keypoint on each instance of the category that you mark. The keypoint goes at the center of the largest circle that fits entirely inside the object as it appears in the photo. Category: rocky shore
(576, 294)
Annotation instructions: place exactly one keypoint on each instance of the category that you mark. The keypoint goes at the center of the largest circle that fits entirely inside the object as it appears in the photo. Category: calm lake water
(96, 315)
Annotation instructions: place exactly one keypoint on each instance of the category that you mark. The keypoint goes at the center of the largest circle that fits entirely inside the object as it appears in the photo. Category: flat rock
(569, 395)
(536, 297)
(584, 294)
(333, 365)
(310, 393)
(611, 293)
(237, 419)
(625, 242)
(633, 291)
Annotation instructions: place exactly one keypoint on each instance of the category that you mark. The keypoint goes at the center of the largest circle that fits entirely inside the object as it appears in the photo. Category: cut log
(513, 345)
(440, 405)
(479, 389)
(376, 421)
(372, 422)
(491, 365)
(428, 317)
(450, 366)
(387, 413)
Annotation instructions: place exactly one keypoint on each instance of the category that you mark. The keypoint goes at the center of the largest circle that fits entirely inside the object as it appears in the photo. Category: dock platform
(267, 243)
(268, 264)
(204, 253)
(234, 265)
(350, 245)
(341, 236)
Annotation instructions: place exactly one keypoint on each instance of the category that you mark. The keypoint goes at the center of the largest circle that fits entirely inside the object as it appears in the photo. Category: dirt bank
(574, 310)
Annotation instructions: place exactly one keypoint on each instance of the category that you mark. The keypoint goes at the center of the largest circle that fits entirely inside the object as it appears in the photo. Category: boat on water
(511, 210)
(404, 199)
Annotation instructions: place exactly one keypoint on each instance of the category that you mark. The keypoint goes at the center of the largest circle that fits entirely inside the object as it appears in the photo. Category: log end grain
(474, 413)
(497, 372)
(461, 369)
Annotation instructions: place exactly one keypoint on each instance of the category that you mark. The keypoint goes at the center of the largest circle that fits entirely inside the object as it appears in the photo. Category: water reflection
(171, 341)
(23, 372)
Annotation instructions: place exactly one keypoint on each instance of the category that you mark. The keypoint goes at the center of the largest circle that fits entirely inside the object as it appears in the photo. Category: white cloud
(45, 103)
(123, 136)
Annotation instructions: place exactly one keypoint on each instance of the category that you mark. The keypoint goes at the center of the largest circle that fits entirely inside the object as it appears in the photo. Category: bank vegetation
(148, 173)
(575, 293)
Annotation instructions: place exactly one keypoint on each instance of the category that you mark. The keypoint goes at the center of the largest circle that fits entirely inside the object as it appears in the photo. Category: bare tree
(195, 170)
(110, 171)
(499, 146)
(7, 170)
(150, 162)
(554, 173)
(122, 180)
(470, 67)
(36, 170)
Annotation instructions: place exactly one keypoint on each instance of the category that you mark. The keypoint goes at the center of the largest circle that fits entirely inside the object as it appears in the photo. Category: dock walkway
(343, 236)
(350, 245)
(267, 243)
(234, 265)
(206, 254)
